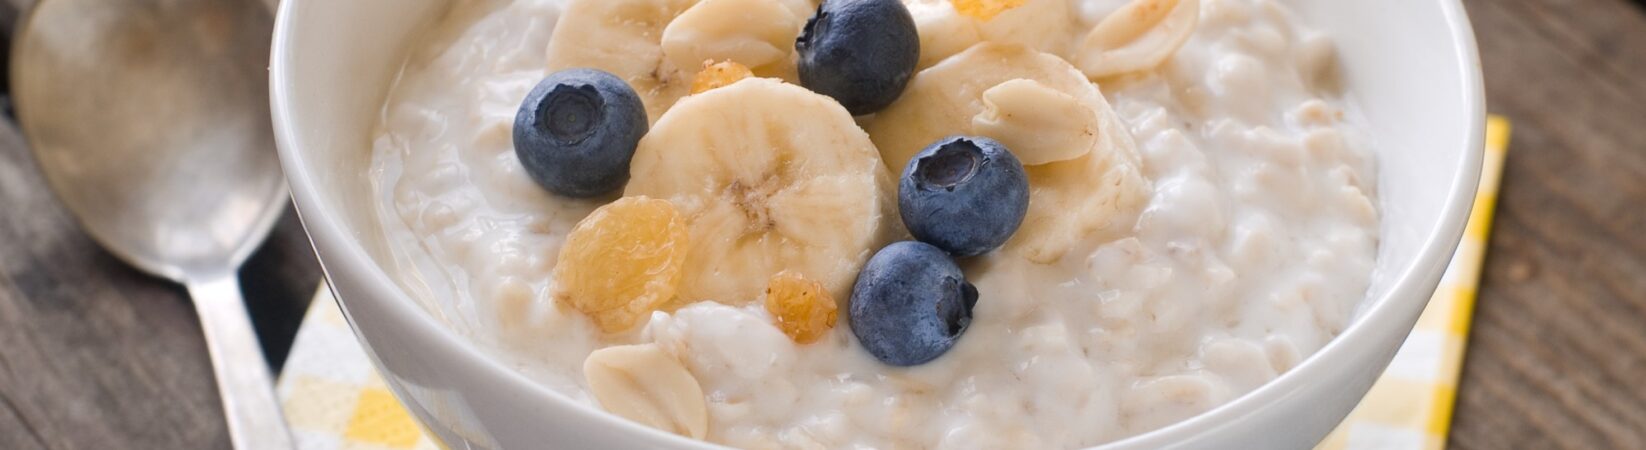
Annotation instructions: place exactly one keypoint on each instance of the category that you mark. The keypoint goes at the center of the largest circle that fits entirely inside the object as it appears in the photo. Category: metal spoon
(151, 121)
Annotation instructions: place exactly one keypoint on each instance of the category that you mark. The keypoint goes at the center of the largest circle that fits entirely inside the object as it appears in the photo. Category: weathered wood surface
(1557, 358)
(94, 355)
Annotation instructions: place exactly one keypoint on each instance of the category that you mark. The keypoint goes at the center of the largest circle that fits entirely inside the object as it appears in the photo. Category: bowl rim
(1409, 294)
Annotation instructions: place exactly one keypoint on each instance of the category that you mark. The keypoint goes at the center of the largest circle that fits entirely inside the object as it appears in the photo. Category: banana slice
(770, 177)
(1092, 199)
(754, 33)
(1038, 123)
(718, 75)
(1044, 25)
(1097, 194)
(1138, 36)
(943, 31)
(802, 8)
(624, 37)
(942, 100)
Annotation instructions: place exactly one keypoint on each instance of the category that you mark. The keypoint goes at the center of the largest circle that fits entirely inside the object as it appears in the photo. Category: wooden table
(1558, 353)
(95, 355)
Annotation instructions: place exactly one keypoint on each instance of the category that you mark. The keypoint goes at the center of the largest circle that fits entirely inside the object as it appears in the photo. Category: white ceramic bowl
(1411, 64)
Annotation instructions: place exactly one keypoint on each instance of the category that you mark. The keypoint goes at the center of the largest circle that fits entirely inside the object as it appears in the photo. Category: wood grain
(94, 355)
(1558, 353)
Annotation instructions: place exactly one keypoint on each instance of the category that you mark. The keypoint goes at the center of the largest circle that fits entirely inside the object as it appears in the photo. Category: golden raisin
(719, 74)
(984, 9)
(622, 261)
(801, 307)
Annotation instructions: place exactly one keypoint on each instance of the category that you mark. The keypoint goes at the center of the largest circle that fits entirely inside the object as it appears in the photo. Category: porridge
(1199, 215)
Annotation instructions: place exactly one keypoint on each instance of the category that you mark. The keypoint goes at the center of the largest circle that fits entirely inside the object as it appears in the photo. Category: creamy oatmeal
(1240, 242)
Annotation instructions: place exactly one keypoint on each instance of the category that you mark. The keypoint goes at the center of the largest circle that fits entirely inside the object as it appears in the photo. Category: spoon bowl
(149, 119)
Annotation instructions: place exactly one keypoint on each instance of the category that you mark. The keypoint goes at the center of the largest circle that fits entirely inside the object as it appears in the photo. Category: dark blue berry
(965, 195)
(577, 130)
(861, 52)
(910, 304)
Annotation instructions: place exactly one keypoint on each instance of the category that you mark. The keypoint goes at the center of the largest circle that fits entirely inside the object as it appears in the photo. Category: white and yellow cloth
(334, 399)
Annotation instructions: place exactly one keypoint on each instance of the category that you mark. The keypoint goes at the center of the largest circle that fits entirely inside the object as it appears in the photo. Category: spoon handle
(243, 380)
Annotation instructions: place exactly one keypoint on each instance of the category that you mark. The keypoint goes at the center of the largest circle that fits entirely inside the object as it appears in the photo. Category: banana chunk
(647, 385)
(942, 100)
(770, 177)
(754, 33)
(984, 9)
(1138, 36)
(1093, 197)
(624, 37)
(943, 31)
(718, 75)
(1044, 25)
(1037, 123)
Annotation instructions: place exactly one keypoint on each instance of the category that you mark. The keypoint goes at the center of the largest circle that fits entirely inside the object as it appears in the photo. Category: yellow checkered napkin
(334, 399)
(332, 395)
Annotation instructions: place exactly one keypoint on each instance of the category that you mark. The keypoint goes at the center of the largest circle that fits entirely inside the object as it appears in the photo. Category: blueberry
(577, 131)
(861, 52)
(965, 195)
(910, 304)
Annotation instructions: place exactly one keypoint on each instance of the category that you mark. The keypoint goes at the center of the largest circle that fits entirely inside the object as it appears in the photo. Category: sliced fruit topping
(622, 262)
(719, 74)
(576, 132)
(769, 177)
(1094, 197)
(754, 33)
(803, 308)
(943, 31)
(645, 384)
(984, 9)
(1088, 200)
(965, 195)
(860, 52)
(910, 304)
(1138, 36)
(1040, 124)
(623, 37)
(1043, 25)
